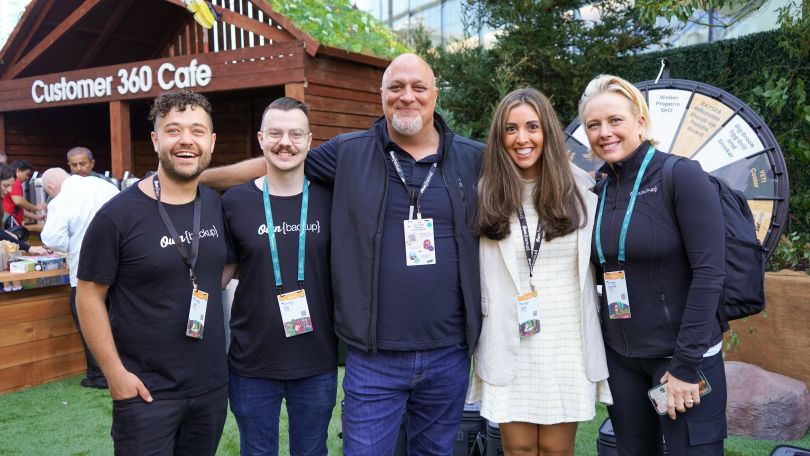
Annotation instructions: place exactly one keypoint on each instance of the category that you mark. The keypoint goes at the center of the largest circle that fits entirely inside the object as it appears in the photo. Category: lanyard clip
(300, 284)
(193, 279)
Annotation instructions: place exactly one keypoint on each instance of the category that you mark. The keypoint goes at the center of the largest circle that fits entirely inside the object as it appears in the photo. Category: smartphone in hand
(658, 394)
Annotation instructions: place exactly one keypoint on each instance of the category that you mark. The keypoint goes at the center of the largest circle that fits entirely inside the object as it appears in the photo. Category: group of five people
(373, 237)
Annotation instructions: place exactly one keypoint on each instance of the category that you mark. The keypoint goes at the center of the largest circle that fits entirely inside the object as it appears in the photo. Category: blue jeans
(256, 404)
(429, 385)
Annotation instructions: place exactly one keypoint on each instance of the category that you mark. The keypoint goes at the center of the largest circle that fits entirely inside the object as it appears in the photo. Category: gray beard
(406, 127)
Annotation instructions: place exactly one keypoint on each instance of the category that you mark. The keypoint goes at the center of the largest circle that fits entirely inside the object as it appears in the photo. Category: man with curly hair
(159, 249)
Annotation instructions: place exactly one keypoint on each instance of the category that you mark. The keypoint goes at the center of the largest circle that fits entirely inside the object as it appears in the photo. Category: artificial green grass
(63, 418)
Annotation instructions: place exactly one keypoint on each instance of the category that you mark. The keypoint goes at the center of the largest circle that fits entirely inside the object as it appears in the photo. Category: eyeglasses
(296, 135)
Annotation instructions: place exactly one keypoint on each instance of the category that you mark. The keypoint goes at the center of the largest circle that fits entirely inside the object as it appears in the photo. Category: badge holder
(293, 306)
(420, 245)
(295, 313)
(528, 306)
(420, 248)
(196, 314)
(195, 325)
(616, 292)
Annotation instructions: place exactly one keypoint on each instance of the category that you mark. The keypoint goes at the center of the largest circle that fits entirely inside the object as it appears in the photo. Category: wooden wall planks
(343, 96)
(38, 340)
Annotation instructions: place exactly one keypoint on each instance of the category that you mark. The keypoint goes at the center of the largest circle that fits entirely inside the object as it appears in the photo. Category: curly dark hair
(179, 100)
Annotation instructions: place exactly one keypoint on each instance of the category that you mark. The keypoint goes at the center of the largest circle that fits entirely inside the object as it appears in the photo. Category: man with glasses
(282, 341)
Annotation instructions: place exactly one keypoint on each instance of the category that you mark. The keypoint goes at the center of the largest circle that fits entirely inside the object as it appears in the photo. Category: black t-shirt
(128, 247)
(259, 347)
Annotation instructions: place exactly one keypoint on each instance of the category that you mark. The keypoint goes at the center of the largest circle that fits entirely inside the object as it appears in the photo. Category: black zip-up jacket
(354, 164)
(674, 268)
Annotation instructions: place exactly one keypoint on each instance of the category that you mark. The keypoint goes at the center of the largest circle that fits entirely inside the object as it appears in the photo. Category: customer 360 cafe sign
(126, 81)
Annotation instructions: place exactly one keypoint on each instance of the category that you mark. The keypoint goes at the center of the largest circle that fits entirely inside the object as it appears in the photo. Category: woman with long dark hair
(540, 362)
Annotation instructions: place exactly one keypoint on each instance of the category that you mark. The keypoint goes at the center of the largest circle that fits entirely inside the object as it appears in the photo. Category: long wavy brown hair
(556, 199)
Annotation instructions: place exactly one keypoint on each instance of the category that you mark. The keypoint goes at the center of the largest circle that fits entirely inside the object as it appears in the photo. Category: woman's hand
(37, 250)
(680, 395)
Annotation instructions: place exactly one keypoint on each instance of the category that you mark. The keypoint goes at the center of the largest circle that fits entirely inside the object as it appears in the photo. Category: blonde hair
(606, 83)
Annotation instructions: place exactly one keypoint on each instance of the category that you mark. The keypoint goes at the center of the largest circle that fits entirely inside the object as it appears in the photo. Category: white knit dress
(550, 385)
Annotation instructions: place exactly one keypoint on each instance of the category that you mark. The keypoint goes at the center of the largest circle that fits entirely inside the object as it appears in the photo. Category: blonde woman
(662, 278)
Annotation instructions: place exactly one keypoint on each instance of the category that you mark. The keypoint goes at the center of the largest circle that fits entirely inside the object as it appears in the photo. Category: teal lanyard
(271, 235)
(627, 215)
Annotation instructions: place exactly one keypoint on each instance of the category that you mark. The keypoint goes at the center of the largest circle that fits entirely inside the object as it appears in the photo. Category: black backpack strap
(667, 186)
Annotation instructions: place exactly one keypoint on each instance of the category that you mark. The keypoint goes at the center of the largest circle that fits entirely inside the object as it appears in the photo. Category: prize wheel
(728, 139)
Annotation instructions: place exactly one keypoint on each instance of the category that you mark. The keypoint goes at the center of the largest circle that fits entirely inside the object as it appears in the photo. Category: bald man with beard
(404, 264)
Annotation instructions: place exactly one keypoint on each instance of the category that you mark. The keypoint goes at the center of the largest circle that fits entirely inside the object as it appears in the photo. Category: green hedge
(473, 80)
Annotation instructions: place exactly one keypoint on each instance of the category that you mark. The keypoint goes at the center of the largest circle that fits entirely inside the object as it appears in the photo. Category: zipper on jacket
(666, 312)
(624, 338)
(371, 344)
(468, 334)
(463, 200)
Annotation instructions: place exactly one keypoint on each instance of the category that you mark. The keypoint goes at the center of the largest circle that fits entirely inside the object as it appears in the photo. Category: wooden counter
(6, 276)
(38, 341)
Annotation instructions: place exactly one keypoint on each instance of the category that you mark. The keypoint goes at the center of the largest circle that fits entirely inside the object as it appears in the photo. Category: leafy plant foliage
(545, 44)
(340, 24)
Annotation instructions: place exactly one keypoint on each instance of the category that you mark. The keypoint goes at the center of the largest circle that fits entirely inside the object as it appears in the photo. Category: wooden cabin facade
(84, 72)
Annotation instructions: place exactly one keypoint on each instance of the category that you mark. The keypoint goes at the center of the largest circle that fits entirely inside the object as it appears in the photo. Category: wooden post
(3, 133)
(120, 138)
(295, 90)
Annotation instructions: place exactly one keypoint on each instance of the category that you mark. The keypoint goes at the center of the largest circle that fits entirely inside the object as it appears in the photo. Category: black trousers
(164, 427)
(94, 373)
(699, 431)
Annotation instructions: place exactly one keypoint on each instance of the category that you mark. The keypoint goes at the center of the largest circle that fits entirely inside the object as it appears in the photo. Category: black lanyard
(190, 261)
(418, 197)
(531, 253)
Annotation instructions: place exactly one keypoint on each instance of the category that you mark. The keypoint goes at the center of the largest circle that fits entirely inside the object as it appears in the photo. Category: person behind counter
(14, 203)
(81, 162)
(76, 199)
(6, 182)
(662, 278)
